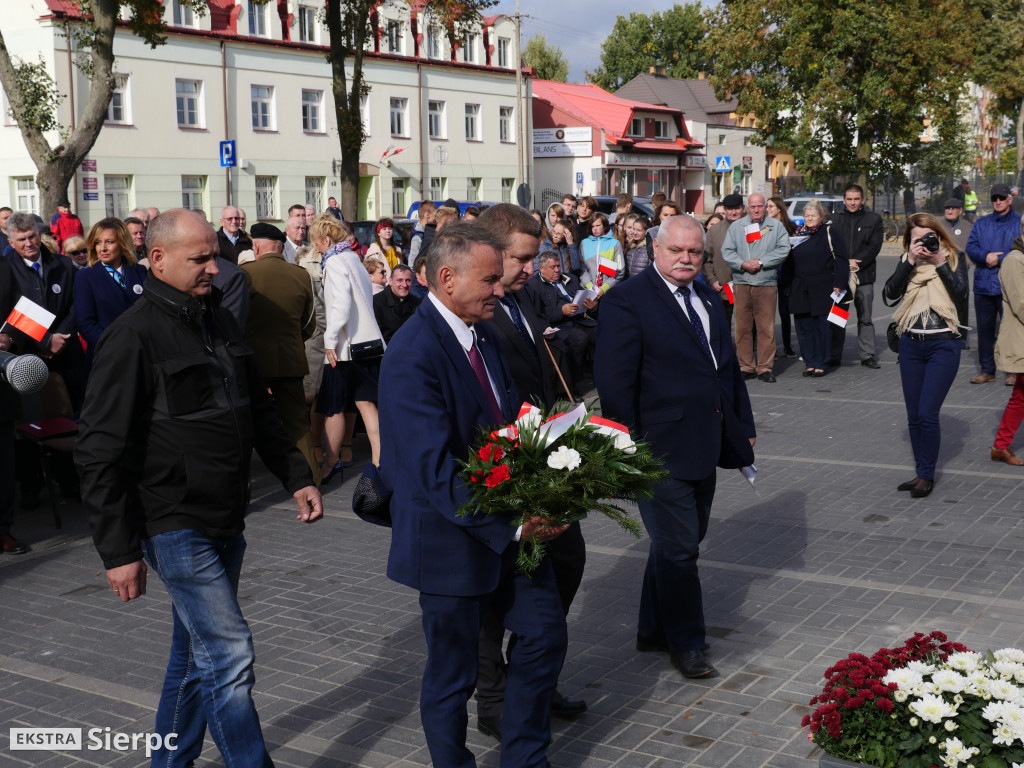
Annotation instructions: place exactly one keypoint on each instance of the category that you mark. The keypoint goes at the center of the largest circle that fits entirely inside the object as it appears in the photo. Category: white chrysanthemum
(949, 681)
(932, 708)
(995, 711)
(921, 667)
(955, 748)
(529, 420)
(950, 725)
(1010, 654)
(967, 661)
(900, 696)
(904, 678)
(1001, 689)
(1003, 734)
(625, 443)
(564, 458)
(1014, 716)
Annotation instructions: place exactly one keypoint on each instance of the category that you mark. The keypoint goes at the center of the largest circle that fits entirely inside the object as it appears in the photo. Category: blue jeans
(815, 340)
(988, 311)
(210, 673)
(927, 370)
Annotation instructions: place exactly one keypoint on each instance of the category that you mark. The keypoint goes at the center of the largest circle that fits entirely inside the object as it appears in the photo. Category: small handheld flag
(31, 319)
(729, 295)
(753, 233)
(606, 266)
(838, 316)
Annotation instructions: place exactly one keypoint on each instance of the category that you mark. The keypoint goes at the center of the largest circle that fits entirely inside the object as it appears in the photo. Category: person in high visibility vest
(970, 203)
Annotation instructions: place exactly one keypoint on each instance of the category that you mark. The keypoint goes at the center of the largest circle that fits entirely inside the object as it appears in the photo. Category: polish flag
(31, 319)
(727, 289)
(753, 232)
(387, 149)
(838, 316)
(398, 151)
(606, 266)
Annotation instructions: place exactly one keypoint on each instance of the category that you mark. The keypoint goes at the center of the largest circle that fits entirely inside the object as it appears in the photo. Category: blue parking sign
(227, 154)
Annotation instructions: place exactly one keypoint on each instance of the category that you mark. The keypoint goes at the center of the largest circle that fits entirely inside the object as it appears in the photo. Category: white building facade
(439, 123)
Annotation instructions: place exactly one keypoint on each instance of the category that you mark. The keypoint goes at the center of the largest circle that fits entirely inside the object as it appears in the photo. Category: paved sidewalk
(828, 559)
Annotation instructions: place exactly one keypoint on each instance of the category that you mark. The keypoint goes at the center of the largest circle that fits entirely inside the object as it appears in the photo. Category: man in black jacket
(861, 230)
(9, 411)
(174, 408)
(395, 304)
(231, 238)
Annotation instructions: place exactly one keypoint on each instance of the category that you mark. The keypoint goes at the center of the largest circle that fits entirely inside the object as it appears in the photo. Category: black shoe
(909, 485)
(489, 726)
(566, 709)
(790, 354)
(922, 488)
(692, 664)
(871, 363)
(966, 346)
(748, 375)
(768, 377)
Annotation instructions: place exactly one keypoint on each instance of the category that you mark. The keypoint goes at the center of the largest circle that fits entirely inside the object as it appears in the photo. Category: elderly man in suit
(231, 238)
(666, 367)
(282, 317)
(464, 566)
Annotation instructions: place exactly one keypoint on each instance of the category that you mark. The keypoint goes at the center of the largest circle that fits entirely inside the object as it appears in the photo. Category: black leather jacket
(956, 284)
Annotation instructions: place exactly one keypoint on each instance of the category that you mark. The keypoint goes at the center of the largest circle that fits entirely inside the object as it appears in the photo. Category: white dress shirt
(697, 303)
(465, 334)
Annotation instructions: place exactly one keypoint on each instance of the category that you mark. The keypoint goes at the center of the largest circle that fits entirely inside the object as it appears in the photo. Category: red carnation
(497, 476)
(491, 452)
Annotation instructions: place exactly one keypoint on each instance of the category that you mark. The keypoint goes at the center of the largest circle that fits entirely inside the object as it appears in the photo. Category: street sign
(579, 177)
(723, 164)
(523, 195)
(91, 195)
(227, 154)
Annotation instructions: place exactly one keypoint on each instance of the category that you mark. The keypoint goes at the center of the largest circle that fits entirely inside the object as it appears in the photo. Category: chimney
(657, 70)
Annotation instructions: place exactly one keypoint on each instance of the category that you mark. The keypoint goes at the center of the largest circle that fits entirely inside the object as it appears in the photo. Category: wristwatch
(759, 264)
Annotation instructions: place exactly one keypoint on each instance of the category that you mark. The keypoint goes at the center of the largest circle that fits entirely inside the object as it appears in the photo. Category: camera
(931, 242)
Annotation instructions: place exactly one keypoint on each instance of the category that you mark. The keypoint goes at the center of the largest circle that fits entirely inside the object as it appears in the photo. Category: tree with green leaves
(1000, 67)
(670, 39)
(34, 97)
(846, 85)
(548, 60)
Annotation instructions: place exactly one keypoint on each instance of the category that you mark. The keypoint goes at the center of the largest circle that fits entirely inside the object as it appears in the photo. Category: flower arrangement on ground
(929, 703)
(560, 466)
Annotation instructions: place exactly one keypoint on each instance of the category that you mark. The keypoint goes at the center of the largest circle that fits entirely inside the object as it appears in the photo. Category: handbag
(892, 337)
(371, 499)
(366, 350)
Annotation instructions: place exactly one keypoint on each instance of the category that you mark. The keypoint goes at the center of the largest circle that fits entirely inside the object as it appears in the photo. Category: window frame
(395, 36)
(364, 112)
(472, 119)
(441, 133)
(262, 213)
(437, 189)
(469, 47)
(403, 116)
(661, 126)
(506, 125)
(433, 46)
(124, 90)
(190, 192)
(473, 190)
(507, 188)
(200, 104)
(633, 130)
(321, 127)
(271, 108)
(504, 53)
(258, 19)
(182, 16)
(312, 27)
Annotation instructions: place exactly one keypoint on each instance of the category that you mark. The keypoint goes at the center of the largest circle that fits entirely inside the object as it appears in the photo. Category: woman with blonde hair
(930, 279)
(353, 343)
(75, 248)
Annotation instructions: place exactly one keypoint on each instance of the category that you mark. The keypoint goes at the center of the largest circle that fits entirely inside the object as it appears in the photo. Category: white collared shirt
(698, 305)
(465, 335)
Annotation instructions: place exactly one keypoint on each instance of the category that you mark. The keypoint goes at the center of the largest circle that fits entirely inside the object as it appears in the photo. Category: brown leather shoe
(11, 546)
(1011, 380)
(1008, 456)
(983, 378)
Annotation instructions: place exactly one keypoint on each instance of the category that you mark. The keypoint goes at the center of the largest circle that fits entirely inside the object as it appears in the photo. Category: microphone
(25, 373)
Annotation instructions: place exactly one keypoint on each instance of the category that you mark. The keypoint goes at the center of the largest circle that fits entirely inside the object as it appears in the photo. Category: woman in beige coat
(1010, 351)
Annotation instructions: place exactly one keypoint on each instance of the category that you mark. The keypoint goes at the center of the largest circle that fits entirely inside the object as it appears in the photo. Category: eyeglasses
(999, 197)
(80, 252)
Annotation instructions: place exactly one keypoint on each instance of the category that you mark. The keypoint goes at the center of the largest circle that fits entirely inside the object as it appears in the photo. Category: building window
(120, 109)
(721, 138)
(473, 189)
(397, 197)
(437, 187)
(257, 19)
(307, 24)
(746, 141)
(433, 43)
(503, 45)
(315, 192)
(364, 112)
(26, 195)
(469, 49)
(636, 127)
(506, 190)
(312, 110)
(192, 193)
(661, 129)
(399, 125)
(394, 36)
(473, 122)
(266, 197)
(506, 128)
(262, 99)
(115, 193)
(189, 103)
(436, 123)
(181, 14)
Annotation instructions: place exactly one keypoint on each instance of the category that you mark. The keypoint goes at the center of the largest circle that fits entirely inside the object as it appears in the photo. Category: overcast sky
(578, 27)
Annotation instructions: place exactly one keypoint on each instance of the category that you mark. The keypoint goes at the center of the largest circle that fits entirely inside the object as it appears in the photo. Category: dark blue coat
(991, 234)
(99, 300)
(653, 375)
(432, 549)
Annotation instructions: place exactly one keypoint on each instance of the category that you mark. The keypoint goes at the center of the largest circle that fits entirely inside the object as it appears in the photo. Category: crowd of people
(185, 347)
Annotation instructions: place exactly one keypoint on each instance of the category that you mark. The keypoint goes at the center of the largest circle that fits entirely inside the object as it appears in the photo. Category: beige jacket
(1010, 342)
(715, 267)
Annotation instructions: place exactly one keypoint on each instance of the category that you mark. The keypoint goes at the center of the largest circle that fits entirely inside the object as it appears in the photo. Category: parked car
(795, 205)
(641, 205)
(364, 232)
(463, 205)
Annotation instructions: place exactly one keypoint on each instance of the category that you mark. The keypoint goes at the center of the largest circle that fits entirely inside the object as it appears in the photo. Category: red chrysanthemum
(497, 476)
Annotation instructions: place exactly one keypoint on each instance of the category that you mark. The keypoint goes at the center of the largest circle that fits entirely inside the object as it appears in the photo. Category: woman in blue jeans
(931, 279)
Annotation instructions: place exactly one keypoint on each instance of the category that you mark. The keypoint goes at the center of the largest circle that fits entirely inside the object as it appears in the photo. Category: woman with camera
(931, 279)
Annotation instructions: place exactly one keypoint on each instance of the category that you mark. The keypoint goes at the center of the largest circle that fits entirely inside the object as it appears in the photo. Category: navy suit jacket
(99, 300)
(653, 375)
(432, 549)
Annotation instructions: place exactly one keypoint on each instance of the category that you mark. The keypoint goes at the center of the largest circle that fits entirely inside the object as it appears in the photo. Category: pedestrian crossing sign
(723, 164)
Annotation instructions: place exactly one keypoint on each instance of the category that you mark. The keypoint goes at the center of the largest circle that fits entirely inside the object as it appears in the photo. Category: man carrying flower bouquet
(666, 367)
(463, 564)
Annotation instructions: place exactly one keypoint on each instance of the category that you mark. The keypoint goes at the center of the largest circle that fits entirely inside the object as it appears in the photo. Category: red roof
(64, 7)
(600, 109)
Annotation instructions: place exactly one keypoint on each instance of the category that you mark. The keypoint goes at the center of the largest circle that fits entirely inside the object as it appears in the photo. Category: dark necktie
(39, 269)
(117, 276)
(694, 318)
(517, 321)
(477, 361)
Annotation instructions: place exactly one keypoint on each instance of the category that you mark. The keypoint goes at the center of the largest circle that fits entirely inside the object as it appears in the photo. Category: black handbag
(892, 337)
(366, 350)
(371, 499)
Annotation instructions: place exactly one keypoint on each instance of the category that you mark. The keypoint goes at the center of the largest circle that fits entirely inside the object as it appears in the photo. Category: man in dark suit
(231, 238)
(10, 409)
(463, 565)
(522, 339)
(666, 366)
(282, 318)
(393, 306)
(552, 293)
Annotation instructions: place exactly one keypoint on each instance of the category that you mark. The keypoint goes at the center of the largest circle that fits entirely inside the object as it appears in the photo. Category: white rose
(625, 443)
(564, 458)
